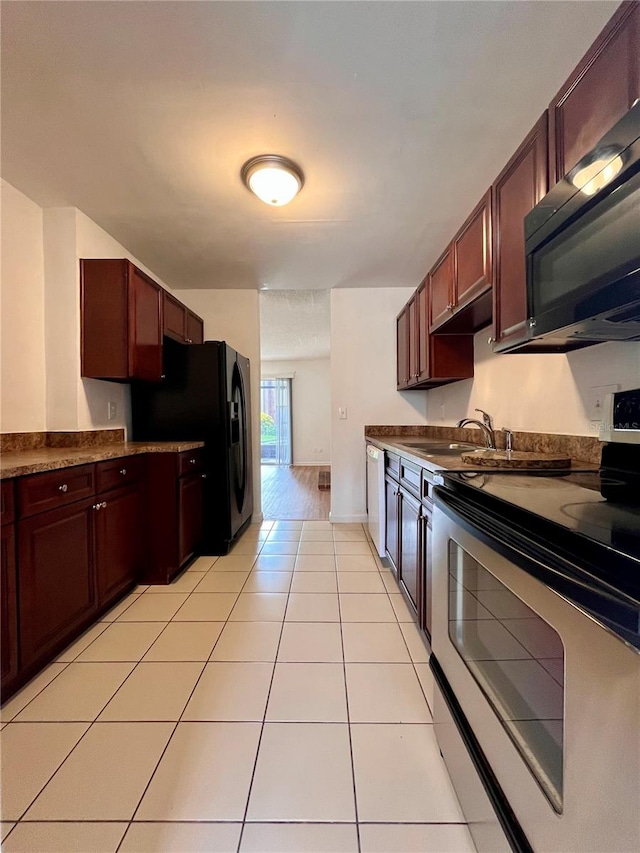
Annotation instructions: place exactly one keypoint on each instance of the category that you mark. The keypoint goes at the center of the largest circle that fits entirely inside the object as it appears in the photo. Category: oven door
(551, 698)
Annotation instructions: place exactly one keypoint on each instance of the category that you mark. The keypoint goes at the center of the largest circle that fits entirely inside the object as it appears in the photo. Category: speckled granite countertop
(17, 463)
(584, 451)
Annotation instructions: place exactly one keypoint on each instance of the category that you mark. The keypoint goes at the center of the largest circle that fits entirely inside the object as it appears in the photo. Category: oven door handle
(613, 609)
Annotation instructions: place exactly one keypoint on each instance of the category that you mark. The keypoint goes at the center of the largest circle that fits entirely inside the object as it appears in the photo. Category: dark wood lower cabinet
(173, 512)
(411, 548)
(426, 529)
(190, 492)
(119, 539)
(56, 578)
(9, 605)
(392, 522)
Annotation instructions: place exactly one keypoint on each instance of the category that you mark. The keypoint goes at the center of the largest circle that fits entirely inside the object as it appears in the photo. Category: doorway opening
(275, 422)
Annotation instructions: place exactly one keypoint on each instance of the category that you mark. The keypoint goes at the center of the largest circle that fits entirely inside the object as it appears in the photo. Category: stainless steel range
(536, 649)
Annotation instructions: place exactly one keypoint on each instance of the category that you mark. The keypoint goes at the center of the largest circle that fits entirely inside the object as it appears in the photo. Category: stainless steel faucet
(486, 425)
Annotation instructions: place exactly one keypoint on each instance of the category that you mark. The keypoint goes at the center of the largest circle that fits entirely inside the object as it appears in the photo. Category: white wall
(310, 406)
(363, 378)
(22, 371)
(537, 393)
(234, 316)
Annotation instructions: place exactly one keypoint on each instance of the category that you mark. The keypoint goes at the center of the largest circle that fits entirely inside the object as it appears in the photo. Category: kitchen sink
(431, 448)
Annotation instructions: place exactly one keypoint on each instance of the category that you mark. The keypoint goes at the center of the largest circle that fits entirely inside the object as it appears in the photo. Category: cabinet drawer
(392, 463)
(7, 502)
(40, 492)
(118, 472)
(190, 461)
(410, 477)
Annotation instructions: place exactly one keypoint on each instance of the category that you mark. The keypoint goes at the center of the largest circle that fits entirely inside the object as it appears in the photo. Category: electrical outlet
(112, 410)
(342, 413)
(596, 400)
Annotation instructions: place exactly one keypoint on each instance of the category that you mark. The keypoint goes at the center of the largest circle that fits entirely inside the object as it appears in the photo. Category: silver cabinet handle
(491, 340)
(123, 471)
(204, 476)
(163, 376)
(104, 504)
(193, 461)
(96, 506)
(63, 488)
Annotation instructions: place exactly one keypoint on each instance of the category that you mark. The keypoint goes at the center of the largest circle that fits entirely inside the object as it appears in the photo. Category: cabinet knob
(123, 471)
(189, 341)
(104, 504)
(96, 506)
(204, 476)
(163, 376)
(63, 488)
(192, 461)
(531, 322)
(491, 340)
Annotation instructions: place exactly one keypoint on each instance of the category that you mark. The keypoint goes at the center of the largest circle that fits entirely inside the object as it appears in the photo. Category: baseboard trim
(348, 519)
(258, 518)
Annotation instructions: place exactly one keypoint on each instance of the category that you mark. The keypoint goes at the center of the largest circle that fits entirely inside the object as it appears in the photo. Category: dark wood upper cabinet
(441, 289)
(517, 189)
(422, 320)
(600, 91)
(402, 347)
(461, 280)
(195, 328)
(427, 360)
(472, 251)
(121, 311)
(180, 323)
(175, 318)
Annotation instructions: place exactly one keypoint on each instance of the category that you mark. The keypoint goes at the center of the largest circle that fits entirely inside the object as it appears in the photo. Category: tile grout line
(346, 693)
(179, 720)
(264, 716)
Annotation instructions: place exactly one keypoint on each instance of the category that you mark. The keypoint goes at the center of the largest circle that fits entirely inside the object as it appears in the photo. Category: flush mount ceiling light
(596, 170)
(274, 179)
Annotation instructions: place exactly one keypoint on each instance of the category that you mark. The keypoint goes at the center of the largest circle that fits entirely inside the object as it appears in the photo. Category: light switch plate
(342, 413)
(112, 410)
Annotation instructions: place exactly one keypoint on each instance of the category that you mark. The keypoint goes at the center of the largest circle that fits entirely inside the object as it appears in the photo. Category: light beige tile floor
(269, 701)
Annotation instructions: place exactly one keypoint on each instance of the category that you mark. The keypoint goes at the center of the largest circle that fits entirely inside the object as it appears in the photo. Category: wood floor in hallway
(291, 492)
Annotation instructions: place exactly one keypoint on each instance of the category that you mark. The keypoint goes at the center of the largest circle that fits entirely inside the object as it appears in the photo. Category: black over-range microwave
(583, 248)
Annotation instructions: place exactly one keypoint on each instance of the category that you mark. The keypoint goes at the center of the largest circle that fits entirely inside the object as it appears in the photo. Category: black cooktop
(596, 506)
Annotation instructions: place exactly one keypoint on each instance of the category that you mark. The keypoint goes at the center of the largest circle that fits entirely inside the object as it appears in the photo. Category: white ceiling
(294, 324)
(400, 114)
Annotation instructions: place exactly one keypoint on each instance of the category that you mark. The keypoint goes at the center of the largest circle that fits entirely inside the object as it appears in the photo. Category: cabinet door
(402, 347)
(174, 318)
(425, 620)
(410, 542)
(195, 328)
(598, 93)
(412, 336)
(391, 492)
(145, 327)
(518, 188)
(190, 492)
(119, 543)
(9, 605)
(441, 289)
(56, 578)
(422, 323)
(472, 255)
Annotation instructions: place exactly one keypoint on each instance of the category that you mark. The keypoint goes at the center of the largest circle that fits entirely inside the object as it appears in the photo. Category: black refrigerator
(205, 396)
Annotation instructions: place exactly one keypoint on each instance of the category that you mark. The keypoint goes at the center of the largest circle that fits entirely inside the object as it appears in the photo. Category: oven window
(518, 661)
